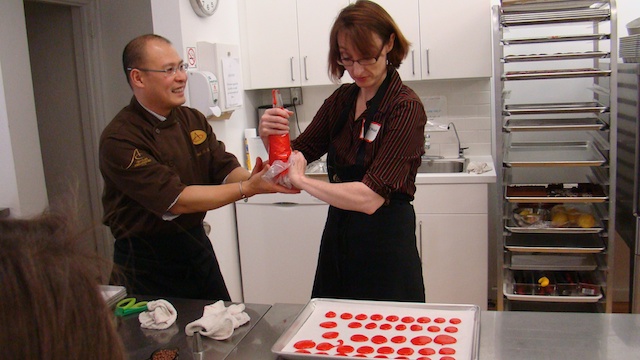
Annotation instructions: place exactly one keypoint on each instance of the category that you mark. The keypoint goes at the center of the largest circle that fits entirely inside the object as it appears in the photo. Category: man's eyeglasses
(170, 71)
(363, 62)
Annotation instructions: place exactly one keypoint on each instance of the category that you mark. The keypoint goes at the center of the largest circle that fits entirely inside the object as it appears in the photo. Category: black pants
(182, 265)
(370, 257)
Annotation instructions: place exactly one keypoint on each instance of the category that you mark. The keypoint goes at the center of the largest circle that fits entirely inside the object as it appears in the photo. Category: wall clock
(204, 8)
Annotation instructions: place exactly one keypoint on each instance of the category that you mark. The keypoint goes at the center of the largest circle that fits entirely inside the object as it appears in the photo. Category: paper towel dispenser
(204, 92)
(223, 60)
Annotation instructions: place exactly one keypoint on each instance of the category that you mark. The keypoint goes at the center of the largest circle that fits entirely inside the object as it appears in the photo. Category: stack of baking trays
(630, 48)
(556, 112)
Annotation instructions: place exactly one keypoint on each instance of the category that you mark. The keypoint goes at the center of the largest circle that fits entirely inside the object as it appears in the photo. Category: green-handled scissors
(129, 306)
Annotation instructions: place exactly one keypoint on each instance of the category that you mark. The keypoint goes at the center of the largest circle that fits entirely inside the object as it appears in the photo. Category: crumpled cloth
(478, 167)
(160, 315)
(218, 322)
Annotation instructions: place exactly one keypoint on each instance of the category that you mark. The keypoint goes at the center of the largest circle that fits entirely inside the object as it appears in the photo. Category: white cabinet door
(455, 38)
(453, 234)
(278, 245)
(314, 25)
(454, 258)
(286, 42)
(407, 16)
(271, 58)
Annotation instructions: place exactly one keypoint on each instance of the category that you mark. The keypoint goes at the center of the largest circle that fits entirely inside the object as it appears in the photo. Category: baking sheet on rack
(335, 329)
(555, 38)
(570, 193)
(553, 124)
(553, 154)
(556, 56)
(545, 228)
(551, 262)
(507, 290)
(555, 243)
(554, 108)
(554, 74)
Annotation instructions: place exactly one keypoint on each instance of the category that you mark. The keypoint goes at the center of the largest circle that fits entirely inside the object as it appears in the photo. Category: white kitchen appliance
(279, 239)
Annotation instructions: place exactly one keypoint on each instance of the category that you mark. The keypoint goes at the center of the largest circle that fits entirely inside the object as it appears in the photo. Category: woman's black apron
(368, 257)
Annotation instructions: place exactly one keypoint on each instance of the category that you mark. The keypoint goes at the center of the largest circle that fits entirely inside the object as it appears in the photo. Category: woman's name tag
(372, 132)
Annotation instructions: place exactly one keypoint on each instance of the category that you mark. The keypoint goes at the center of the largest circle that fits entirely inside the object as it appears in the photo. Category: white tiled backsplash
(468, 106)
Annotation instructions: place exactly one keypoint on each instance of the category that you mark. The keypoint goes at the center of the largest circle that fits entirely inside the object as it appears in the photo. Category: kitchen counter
(488, 177)
(140, 343)
(509, 335)
(503, 335)
(317, 170)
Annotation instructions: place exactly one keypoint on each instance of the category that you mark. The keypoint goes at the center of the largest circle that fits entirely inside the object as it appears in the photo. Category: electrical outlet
(296, 96)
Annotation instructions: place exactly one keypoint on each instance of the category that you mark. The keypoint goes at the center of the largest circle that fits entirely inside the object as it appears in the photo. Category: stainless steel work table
(503, 335)
(140, 343)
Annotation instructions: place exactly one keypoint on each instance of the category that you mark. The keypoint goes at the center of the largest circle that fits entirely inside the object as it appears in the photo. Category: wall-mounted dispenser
(223, 60)
(204, 93)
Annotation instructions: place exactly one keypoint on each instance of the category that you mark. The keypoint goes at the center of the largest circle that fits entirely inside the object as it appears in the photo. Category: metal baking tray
(553, 153)
(539, 219)
(551, 124)
(554, 74)
(351, 318)
(514, 228)
(556, 38)
(555, 243)
(543, 5)
(558, 193)
(553, 292)
(553, 17)
(555, 108)
(556, 56)
(576, 262)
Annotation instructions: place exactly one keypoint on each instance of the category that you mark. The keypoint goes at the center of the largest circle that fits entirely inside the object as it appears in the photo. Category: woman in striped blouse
(372, 131)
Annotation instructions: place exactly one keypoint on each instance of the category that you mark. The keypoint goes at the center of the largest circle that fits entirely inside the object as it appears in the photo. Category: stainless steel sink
(430, 166)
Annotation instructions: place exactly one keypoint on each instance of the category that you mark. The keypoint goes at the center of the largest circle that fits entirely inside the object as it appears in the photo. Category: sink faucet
(460, 149)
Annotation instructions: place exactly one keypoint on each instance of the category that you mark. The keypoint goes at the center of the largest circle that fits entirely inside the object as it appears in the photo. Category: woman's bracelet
(242, 195)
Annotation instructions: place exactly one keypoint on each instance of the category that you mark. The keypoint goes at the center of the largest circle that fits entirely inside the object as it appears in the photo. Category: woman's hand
(257, 185)
(297, 169)
(274, 121)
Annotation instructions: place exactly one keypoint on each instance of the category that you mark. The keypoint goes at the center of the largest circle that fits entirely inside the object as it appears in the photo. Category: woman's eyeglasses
(363, 62)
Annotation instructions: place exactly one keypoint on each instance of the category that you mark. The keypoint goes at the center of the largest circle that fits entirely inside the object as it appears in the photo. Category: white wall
(119, 21)
(8, 186)
(22, 186)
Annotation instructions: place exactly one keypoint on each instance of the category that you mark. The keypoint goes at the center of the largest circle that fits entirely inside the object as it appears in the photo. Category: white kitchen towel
(478, 167)
(160, 315)
(218, 321)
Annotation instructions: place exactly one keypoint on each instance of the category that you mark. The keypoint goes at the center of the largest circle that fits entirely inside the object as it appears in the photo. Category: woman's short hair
(51, 305)
(361, 22)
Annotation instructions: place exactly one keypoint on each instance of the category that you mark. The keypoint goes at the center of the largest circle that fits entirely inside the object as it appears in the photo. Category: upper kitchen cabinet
(286, 42)
(455, 39)
(406, 15)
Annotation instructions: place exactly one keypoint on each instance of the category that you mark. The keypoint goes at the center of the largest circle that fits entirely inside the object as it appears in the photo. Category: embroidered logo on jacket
(198, 137)
(138, 160)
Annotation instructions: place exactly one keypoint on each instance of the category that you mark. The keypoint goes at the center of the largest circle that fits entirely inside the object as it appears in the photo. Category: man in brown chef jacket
(163, 168)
